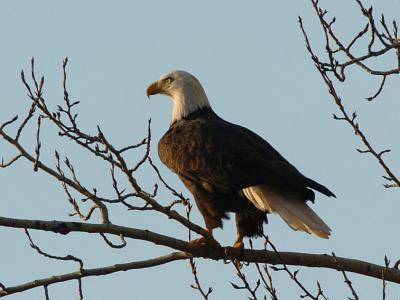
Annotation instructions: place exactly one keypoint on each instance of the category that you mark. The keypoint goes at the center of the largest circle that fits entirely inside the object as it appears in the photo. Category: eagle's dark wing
(229, 157)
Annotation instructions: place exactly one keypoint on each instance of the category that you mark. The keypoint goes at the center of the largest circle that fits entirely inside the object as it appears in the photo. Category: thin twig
(267, 285)
(41, 252)
(379, 89)
(146, 155)
(197, 285)
(10, 162)
(185, 201)
(38, 145)
(246, 284)
(293, 275)
(111, 244)
(46, 292)
(346, 279)
(387, 262)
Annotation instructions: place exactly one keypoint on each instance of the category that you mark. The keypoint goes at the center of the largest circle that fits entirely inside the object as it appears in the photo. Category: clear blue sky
(251, 59)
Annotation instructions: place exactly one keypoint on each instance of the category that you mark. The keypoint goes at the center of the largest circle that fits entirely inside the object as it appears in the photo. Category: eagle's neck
(188, 100)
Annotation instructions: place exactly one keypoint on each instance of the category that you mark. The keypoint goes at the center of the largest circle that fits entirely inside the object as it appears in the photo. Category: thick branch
(67, 227)
(251, 256)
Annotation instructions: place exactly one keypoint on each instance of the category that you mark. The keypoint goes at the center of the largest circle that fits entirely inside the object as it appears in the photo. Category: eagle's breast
(183, 147)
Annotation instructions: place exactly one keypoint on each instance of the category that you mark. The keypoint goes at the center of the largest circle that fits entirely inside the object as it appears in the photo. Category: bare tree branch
(98, 200)
(10, 162)
(338, 68)
(267, 285)
(250, 256)
(63, 258)
(46, 292)
(111, 244)
(346, 279)
(379, 89)
(351, 120)
(197, 285)
(93, 272)
(293, 276)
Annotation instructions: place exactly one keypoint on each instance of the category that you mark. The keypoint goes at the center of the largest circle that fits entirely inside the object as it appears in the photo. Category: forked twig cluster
(377, 42)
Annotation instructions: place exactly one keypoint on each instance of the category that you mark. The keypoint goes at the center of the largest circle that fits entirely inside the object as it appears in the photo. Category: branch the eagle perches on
(188, 251)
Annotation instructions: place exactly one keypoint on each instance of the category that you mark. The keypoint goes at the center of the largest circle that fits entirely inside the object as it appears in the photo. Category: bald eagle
(229, 168)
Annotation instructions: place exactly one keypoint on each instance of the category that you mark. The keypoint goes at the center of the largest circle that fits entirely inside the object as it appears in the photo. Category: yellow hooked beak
(154, 88)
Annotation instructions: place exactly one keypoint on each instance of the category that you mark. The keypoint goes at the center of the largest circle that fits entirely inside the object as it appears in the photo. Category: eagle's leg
(239, 240)
(240, 230)
(238, 244)
(249, 223)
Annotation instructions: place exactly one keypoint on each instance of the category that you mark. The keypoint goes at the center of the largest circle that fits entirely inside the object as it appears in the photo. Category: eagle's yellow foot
(210, 241)
(238, 244)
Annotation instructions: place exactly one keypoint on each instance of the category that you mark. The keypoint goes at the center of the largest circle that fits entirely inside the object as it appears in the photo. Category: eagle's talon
(202, 241)
(198, 242)
(237, 245)
(230, 252)
(237, 264)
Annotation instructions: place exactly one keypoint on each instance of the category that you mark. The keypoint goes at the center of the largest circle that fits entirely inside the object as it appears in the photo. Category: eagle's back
(205, 148)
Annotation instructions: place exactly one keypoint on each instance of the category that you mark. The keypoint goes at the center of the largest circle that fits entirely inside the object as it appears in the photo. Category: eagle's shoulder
(191, 127)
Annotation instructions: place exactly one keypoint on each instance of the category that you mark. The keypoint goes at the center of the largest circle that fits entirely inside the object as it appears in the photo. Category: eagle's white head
(185, 90)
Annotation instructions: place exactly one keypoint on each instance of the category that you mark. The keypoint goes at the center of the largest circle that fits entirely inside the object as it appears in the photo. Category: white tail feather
(294, 211)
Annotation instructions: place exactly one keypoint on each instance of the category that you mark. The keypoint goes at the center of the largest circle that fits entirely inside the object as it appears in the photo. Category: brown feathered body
(225, 166)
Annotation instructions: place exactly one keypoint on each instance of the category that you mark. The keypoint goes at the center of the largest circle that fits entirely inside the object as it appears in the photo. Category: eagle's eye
(168, 80)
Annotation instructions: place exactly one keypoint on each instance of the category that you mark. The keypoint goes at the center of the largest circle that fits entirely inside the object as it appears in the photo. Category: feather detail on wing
(294, 211)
